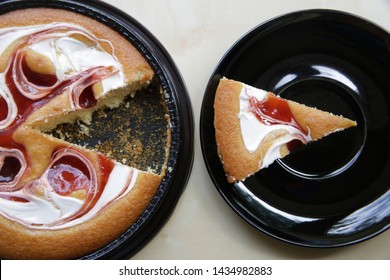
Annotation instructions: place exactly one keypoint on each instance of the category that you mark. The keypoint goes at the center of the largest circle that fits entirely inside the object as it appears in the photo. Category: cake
(254, 127)
(59, 200)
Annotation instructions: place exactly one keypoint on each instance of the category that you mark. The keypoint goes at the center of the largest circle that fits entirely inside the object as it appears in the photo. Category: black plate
(181, 120)
(335, 191)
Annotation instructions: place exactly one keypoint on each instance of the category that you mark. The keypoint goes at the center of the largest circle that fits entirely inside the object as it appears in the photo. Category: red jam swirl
(9, 168)
(68, 175)
(275, 110)
(72, 171)
(87, 98)
(3, 108)
(13, 198)
(106, 167)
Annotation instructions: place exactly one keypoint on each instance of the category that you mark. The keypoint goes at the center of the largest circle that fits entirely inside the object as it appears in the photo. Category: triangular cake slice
(254, 127)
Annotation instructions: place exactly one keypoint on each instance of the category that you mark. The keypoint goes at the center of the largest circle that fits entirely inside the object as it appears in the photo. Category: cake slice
(254, 127)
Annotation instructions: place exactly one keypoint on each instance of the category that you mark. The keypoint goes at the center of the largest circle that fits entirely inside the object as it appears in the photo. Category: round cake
(59, 200)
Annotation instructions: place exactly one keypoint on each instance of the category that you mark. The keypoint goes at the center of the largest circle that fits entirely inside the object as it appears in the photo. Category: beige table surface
(197, 33)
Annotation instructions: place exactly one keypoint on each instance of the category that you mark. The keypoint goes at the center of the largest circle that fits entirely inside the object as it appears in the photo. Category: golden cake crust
(320, 123)
(237, 162)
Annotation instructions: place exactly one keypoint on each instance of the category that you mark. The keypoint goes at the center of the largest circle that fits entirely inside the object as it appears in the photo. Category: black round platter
(335, 191)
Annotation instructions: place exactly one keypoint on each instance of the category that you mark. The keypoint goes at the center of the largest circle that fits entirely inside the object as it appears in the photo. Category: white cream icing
(7, 96)
(122, 179)
(45, 211)
(255, 132)
(68, 55)
(39, 211)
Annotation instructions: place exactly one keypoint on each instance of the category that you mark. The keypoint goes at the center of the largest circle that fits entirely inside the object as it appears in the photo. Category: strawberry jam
(9, 169)
(13, 198)
(69, 174)
(275, 110)
(3, 109)
(87, 98)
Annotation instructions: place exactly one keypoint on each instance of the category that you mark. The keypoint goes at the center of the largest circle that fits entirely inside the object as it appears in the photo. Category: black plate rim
(229, 55)
(180, 160)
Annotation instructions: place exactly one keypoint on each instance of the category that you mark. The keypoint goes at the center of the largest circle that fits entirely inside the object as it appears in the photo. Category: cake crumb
(60, 134)
(84, 129)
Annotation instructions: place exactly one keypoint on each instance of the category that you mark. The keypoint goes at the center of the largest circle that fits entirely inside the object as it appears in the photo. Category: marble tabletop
(197, 33)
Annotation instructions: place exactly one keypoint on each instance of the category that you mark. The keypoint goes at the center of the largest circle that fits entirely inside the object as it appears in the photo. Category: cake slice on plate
(254, 127)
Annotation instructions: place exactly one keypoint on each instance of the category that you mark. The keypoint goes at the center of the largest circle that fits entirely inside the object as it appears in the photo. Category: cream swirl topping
(68, 55)
(40, 205)
(254, 132)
